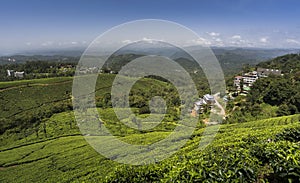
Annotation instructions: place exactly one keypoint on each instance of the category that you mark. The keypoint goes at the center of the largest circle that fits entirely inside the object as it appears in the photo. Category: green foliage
(42, 142)
(290, 134)
(34, 82)
(40, 69)
(287, 63)
(280, 93)
(239, 153)
(282, 158)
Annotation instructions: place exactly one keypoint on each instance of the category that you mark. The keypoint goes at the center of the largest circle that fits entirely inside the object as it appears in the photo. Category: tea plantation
(265, 150)
(50, 148)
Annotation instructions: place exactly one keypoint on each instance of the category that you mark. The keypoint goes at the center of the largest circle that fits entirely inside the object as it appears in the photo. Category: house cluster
(207, 99)
(88, 70)
(16, 74)
(65, 68)
(93, 70)
(247, 79)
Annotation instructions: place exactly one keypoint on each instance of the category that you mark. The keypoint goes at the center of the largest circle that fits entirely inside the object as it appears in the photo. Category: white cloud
(28, 43)
(292, 41)
(236, 37)
(201, 41)
(127, 41)
(63, 43)
(238, 41)
(148, 40)
(213, 34)
(48, 43)
(74, 42)
(264, 39)
(218, 40)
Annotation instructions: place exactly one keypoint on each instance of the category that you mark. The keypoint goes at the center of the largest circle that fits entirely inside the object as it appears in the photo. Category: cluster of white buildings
(249, 78)
(93, 70)
(16, 74)
(207, 99)
(88, 70)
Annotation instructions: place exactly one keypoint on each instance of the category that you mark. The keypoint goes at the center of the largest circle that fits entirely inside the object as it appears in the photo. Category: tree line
(38, 69)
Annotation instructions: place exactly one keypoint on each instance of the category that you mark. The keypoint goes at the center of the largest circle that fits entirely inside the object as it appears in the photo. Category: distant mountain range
(231, 58)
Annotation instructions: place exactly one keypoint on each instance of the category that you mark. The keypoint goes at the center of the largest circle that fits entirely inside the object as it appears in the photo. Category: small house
(198, 105)
(19, 74)
(209, 99)
(10, 73)
(249, 78)
(262, 72)
(237, 80)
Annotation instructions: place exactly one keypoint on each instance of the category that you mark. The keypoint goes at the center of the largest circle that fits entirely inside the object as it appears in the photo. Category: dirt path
(221, 112)
(216, 96)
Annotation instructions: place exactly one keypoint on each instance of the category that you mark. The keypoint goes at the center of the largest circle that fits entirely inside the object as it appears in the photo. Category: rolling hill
(41, 141)
(240, 152)
(231, 59)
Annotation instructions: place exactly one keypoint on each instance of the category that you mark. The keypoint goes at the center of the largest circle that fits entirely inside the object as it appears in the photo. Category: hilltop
(275, 95)
(287, 63)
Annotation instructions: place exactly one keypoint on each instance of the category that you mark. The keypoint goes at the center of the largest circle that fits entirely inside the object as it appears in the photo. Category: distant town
(244, 82)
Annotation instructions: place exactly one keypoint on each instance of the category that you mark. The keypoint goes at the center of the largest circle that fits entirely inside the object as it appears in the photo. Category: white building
(201, 102)
(237, 82)
(262, 72)
(209, 99)
(249, 78)
(19, 74)
(10, 73)
(198, 105)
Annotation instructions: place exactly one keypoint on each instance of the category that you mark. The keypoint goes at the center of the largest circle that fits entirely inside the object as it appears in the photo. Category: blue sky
(47, 24)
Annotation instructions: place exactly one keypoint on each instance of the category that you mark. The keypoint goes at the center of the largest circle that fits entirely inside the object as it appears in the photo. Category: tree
(283, 110)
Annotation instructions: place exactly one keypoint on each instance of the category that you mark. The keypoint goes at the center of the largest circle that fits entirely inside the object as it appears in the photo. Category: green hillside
(41, 142)
(270, 96)
(26, 104)
(240, 152)
(287, 63)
